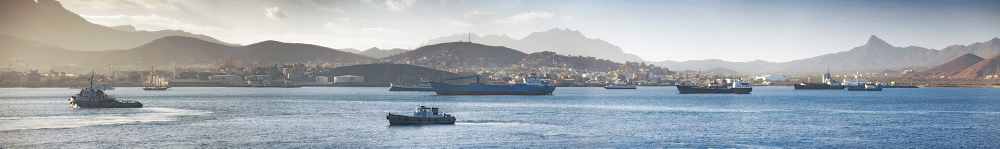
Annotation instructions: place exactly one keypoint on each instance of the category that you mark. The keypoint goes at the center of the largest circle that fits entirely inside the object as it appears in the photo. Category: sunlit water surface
(648, 117)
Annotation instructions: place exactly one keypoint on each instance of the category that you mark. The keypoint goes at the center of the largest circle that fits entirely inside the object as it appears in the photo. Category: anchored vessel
(153, 84)
(423, 86)
(894, 85)
(865, 87)
(423, 115)
(620, 86)
(95, 98)
(532, 86)
(828, 84)
(738, 87)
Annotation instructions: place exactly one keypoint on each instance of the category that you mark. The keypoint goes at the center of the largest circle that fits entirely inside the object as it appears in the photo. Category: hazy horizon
(775, 31)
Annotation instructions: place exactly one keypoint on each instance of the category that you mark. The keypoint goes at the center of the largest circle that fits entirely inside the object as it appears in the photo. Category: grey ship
(96, 98)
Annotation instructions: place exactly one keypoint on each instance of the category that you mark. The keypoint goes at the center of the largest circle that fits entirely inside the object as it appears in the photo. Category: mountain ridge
(564, 41)
(53, 24)
(179, 50)
(876, 54)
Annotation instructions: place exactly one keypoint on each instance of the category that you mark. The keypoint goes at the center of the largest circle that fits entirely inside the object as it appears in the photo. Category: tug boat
(96, 98)
(737, 87)
(532, 86)
(422, 115)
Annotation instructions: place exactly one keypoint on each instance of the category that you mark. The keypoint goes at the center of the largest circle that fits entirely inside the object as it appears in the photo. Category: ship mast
(91, 79)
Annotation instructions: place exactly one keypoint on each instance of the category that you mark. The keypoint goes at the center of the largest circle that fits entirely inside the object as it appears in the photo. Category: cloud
(117, 4)
(530, 16)
(147, 22)
(478, 18)
(400, 5)
(379, 30)
(275, 13)
(346, 29)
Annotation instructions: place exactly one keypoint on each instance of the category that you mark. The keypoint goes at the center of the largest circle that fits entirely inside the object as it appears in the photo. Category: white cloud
(529, 16)
(116, 4)
(477, 18)
(275, 13)
(400, 5)
(338, 28)
(379, 30)
(149, 22)
(459, 23)
(347, 29)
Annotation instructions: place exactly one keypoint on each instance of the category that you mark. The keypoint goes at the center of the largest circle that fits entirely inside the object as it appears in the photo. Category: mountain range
(460, 55)
(375, 52)
(47, 21)
(174, 50)
(564, 41)
(874, 55)
(43, 33)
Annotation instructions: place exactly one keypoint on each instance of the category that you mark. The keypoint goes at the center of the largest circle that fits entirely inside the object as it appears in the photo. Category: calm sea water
(648, 117)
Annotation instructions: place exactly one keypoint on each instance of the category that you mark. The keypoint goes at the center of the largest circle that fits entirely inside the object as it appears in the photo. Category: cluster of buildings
(236, 73)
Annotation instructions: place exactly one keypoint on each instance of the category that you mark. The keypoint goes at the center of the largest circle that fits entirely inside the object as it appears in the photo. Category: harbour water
(593, 117)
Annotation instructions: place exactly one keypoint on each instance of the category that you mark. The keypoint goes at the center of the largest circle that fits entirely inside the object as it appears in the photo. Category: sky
(656, 30)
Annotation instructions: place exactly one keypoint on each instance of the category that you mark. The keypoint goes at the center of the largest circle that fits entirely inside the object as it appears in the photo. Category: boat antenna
(470, 37)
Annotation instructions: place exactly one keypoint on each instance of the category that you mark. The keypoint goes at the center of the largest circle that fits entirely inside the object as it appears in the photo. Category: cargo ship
(423, 115)
(423, 86)
(737, 87)
(865, 87)
(828, 84)
(532, 85)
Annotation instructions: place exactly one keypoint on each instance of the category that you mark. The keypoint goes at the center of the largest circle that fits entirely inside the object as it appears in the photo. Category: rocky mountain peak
(874, 41)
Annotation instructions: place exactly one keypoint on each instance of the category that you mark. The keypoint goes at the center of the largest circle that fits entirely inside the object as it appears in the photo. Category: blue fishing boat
(532, 86)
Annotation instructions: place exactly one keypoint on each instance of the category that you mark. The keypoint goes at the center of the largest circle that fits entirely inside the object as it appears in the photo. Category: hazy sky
(656, 30)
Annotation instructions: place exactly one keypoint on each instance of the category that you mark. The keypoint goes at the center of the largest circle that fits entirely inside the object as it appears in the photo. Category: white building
(322, 79)
(348, 78)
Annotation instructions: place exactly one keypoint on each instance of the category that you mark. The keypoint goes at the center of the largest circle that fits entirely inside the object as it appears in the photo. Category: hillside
(564, 41)
(721, 71)
(27, 52)
(379, 53)
(875, 55)
(386, 73)
(459, 55)
(192, 51)
(987, 67)
(548, 59)
(173, 50)
(49, 22)
(951, 68)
